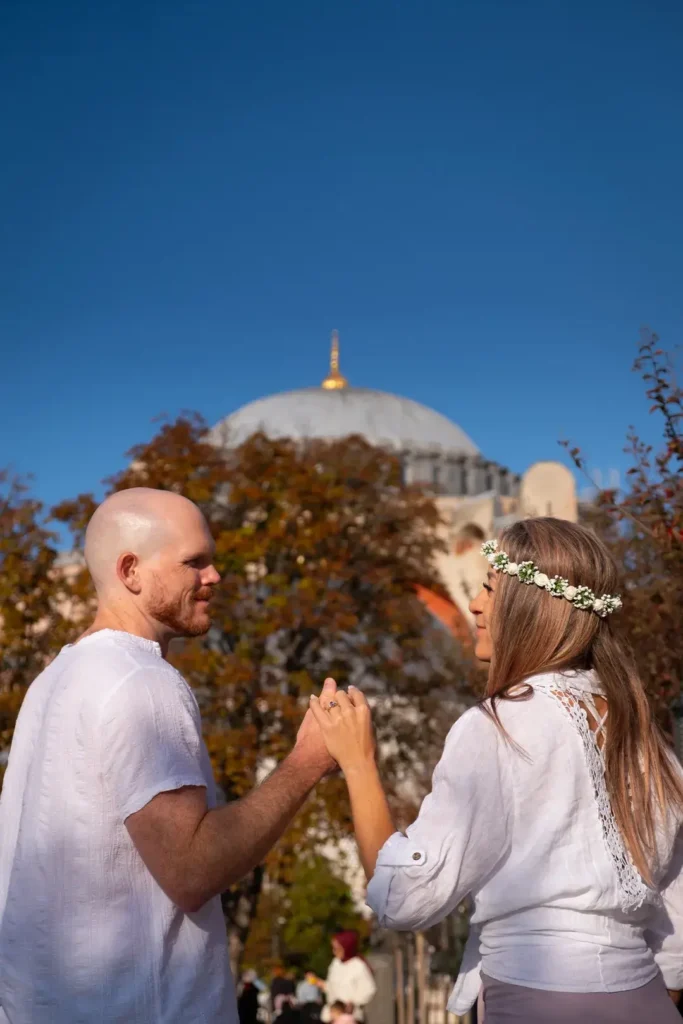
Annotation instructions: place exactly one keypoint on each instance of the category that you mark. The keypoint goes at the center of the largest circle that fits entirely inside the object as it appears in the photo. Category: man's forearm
(232, 840)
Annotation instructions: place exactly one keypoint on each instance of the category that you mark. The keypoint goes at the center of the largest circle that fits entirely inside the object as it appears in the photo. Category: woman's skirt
(514, 1004)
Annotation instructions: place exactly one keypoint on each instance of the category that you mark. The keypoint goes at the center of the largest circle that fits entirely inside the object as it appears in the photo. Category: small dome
(329, 413)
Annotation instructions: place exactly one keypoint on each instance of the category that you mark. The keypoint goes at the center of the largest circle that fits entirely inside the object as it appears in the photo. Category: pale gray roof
(382, 418)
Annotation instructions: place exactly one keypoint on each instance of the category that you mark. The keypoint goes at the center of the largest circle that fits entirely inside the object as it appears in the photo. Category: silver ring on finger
(332, 704)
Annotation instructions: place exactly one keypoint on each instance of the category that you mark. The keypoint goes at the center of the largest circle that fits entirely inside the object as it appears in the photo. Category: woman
(349, 979)
(555, 805)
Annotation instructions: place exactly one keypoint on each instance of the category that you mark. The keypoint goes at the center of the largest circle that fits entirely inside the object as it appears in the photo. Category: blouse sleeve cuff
(397, 852)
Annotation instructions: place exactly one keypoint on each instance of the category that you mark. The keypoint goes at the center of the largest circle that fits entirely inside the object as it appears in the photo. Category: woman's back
(566, 850)
(523, 823)
(568, 909)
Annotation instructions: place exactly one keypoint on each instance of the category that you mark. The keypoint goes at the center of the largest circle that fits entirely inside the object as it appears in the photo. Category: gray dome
(381, 418)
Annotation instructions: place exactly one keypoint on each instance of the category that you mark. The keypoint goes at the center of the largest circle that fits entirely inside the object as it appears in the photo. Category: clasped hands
(337, 730)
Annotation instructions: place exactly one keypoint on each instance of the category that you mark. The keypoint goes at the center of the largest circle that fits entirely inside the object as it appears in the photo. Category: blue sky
(484, 198)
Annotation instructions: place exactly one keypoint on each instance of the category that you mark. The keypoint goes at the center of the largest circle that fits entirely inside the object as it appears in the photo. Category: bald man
(113, 853)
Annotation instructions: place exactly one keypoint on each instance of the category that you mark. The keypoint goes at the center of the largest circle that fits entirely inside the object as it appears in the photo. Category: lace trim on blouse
(570, 694)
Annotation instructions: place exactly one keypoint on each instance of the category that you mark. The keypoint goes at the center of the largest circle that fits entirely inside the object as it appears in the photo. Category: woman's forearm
(371, 816)
(347, 729)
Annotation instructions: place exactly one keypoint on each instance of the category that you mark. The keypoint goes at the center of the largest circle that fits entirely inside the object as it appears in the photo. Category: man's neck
(132, 622)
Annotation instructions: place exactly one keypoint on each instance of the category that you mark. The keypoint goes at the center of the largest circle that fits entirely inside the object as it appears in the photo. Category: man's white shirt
(86, 933)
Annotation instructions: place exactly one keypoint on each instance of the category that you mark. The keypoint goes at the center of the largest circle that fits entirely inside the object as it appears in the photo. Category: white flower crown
(527, 572)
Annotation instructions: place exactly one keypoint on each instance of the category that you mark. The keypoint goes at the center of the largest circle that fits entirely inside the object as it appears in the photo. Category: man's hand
(310, 744)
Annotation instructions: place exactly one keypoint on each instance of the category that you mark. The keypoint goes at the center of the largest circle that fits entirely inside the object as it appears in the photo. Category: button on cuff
(400, 852)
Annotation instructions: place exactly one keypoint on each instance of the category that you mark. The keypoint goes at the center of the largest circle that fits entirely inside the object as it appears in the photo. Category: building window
(421, 470)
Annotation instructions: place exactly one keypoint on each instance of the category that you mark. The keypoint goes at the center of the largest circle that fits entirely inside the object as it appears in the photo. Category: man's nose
(213, 576)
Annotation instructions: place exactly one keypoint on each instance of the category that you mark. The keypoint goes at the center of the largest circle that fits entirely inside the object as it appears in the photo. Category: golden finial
(334, 380)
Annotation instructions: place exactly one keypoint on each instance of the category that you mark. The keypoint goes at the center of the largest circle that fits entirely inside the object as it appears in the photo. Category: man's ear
(128, 571)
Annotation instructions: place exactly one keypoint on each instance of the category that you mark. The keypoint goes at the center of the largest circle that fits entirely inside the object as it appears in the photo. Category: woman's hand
(346, 727)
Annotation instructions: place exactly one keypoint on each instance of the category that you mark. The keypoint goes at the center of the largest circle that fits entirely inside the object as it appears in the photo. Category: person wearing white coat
(349, 978)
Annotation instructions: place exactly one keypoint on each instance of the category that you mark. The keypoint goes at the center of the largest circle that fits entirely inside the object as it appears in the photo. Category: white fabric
(528, 832)
(350, 981)
(86, 934)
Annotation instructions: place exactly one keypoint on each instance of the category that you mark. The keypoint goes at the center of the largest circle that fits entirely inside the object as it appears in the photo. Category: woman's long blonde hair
(533, 632)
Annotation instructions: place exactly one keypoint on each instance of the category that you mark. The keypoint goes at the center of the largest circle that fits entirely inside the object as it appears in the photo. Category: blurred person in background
(248, 998)
(282, 990)
(349, 978)
(309, 996)
(339, 1014)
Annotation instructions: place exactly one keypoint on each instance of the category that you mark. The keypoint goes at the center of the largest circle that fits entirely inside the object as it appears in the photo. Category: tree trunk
(400, 984)
(239, 909)
(410, 1001)
(421, 958)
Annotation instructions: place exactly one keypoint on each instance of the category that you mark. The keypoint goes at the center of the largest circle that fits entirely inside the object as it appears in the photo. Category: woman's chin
(482, 650)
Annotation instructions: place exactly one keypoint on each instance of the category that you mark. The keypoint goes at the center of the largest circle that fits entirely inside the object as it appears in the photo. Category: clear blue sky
(485, 198)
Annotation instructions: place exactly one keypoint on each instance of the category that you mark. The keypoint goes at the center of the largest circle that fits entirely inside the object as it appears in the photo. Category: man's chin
(199, 626)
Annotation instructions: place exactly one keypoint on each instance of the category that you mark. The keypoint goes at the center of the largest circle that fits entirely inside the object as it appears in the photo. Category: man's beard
(177, 616)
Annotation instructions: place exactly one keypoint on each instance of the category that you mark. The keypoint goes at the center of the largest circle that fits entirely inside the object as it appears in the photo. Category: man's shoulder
(114, 671)
(106, 657)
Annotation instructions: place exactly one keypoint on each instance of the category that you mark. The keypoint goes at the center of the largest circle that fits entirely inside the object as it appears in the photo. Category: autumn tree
(321, 548)
(643, 526)
(32, 600)
(295, 923)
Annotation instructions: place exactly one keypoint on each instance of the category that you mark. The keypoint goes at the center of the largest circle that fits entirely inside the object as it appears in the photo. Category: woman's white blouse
(525, 828)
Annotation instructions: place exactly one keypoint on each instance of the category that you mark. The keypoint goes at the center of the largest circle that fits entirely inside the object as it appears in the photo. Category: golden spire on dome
(334, 380)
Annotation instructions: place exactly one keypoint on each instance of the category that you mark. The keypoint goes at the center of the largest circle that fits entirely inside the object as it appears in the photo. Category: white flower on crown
(600, 607)
(557, 586)
(584, 599)
(541, 580)
(570, 593)
(526, 572)
(512, 568)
